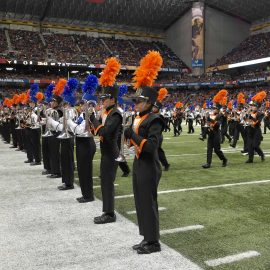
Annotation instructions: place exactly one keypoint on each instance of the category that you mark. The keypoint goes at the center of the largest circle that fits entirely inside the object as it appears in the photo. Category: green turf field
(236, 219)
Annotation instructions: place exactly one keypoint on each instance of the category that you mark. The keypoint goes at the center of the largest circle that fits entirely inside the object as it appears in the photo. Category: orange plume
(241, 98)
(59, 88)
(147, 72)
(162, 93)
(230, 105)
(39, 96)
(16, 99)
(204, 105)
(259, 97)
(267, 104)
(218, 98)
(8, 102)
(178, 105)
(110, 72)
(24, 98)
(224, 101)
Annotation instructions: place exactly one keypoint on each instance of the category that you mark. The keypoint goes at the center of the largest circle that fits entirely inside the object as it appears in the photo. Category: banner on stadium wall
(198, 35)
(63, 64)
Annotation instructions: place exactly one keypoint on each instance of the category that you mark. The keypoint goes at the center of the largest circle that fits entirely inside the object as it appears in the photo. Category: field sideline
(235, 218)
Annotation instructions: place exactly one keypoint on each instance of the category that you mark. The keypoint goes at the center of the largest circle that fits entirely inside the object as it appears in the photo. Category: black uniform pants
(146, 176)
(175, 128)
(266, 126)
(6, 132)
(35, 141)
(213, 143)
(20, 138)
(46, 153)
(190, 126)
(13, 134)
(224, 133)
(85, 151)
(54, 151)
(108, 169)
(67, 161)
(28, 144)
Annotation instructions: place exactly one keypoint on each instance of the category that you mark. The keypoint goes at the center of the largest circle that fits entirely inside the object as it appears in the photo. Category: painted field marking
(232, 258)
(202, 188)
(182, 229)
(116, 185)
(134, 212)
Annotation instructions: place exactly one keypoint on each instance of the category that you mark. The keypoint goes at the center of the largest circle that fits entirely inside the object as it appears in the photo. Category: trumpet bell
(86, 134)
(47, 134)
(121, 158)
(64, 136)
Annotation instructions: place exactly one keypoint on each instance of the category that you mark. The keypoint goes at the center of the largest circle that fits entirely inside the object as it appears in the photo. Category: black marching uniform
(108, 130)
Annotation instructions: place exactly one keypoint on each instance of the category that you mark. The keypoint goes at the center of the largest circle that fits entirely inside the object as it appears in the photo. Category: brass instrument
(68, 113)
(50, 113)
(127, 121)
(88, 110)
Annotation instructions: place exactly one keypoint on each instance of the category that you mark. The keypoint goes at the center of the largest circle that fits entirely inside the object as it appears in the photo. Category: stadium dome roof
(152, 14)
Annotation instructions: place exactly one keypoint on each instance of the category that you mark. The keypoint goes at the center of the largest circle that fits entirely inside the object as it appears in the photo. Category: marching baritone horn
(53, 114)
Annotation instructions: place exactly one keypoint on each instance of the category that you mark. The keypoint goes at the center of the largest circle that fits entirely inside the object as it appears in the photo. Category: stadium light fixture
(74, 71)
(249, 63)
(9, 68)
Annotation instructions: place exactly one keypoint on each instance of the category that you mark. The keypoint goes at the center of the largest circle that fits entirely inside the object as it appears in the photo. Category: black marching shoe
(105, 218)
(125, 174)
(85, 200)
(45, 172)
(28, 161)
(54, 176)
(13, 146)
(65, 187)
(206, 166)
(262, 158)
(136, 247)
(149, 248)
(167, 167)
(35, 163)
(224, 162)
(249, 161)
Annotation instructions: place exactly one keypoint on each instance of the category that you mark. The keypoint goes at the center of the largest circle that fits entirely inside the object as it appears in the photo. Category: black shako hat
(147, 93)
(58, 99)
(109, 92)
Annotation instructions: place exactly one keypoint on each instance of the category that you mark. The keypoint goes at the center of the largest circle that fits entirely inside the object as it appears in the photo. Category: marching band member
(45, 137)
(177, 119)
(85, 144)
(266, 118)
(213, 142)
(66, 139)
(254, 137)
(145, 134)
(54, 143)
(108, 128)
(190, 119)
(156, 109)
(35, 97)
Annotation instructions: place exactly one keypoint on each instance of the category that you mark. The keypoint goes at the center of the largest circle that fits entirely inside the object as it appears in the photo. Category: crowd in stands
(3, 41)
(254, 47)
(81, 48)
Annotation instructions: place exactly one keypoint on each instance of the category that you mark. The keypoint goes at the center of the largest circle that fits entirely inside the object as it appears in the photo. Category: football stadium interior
(211, 217)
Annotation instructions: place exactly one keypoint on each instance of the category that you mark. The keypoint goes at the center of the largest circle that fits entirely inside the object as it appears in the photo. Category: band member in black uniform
(177, 119)
(13, 129)
(66, 138)
(54, 143)
(144, 135)
(213, 141)
(190, 119)
(46, 134)
(108, 129)
(224, 122)
(35, 124)
(156, 109)
(85, 144)
(254, 132)
(266, 118)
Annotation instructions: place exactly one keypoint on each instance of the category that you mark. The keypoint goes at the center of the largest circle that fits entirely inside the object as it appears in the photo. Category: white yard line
(182, 229)
(232, 258)
(116, 185)
(202, 188)
(134, 212)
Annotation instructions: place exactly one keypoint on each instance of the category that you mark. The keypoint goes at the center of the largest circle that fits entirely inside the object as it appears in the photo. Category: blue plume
(33, 91)
(89, 88)
(69, 91)
(235, 104)
(49, 92)
(122, 91)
